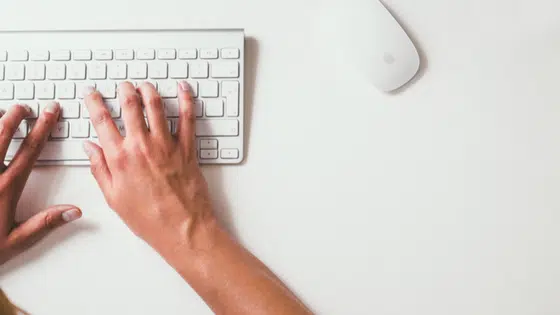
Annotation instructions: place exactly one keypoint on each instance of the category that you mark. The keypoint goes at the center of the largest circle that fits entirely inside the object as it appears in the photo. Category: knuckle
(31, 143)
(5, 129)
(101, 118)
(190, 115)
(95, 97)
(119, 159)
(95, 168)
(139, 149)
(154, 100)
(49, 221)
(130, 100)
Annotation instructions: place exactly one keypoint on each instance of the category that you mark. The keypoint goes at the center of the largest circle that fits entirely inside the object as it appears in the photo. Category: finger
(9, 124)
(99, 167)
(101, 119)
(153, 105)
(131, 105)
(40, 225)
(31, 147)
(186, 129)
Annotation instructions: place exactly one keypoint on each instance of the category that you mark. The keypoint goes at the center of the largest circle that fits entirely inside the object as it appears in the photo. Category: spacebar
(55, 151)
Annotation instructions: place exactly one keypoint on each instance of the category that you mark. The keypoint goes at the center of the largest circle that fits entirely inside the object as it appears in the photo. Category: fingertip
(88, 90)
(90, 148)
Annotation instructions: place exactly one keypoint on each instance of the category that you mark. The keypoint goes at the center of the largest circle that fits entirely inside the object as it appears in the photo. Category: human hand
(151, 178)
(17, 237)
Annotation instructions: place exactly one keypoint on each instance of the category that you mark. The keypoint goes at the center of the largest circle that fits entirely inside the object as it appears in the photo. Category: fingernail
(26, 107)
(184, 86)
(52, 107)
(71, 215)
(87, 149)
(88, 90)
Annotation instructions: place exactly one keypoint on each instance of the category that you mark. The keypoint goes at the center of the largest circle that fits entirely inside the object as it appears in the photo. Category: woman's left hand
(17, 237)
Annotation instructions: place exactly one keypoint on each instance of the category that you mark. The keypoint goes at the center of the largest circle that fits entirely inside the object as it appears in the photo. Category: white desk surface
(442, 199)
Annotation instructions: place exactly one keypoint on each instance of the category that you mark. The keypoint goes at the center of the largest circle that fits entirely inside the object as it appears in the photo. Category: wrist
(192, 240)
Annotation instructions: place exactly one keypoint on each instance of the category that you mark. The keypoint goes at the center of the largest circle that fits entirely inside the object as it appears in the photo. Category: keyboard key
(34, 108)
(145, 54)
(174, 126)
(70, 109)
(44, 90)
(167, 89)
(153, 82)
(97, 70)
(65, 90)
(188, 54)
(215, 127)
(92, 130)
(39, 55)
(225, 69)
(117, 70)
(60, 55)
(6, 91)
(230, 90)
(56, 71)
(124, 54)
(157, 70)
(43, 105)
(82, 55)
(171, 107)
(209, 89)
(198, 108)
(3, 55)
(209, 54)
(230, 53)
(21, 131)
(209, 154)
(194, 87)
(107, 88)
(61, 130)
(15, 71)
(35, 71)
(229, 153)
(79, 128)
(114, 108)
(85, 112)
(80, 87)
(120, 127)
(199, 70)
(77, 71)
(25, 90)
(178, 70)
(167, 54)
(103, 54)
(1, 72)
(138, 70)
(209, 144)
(18, 55)
(214, 108)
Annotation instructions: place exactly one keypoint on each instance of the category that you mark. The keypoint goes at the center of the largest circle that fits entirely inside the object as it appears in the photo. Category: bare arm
(153, 181)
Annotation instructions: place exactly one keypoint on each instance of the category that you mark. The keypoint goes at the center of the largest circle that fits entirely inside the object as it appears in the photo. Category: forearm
(228, 277)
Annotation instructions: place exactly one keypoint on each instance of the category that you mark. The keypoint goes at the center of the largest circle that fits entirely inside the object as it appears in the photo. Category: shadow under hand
(56, 238)
(36, 197)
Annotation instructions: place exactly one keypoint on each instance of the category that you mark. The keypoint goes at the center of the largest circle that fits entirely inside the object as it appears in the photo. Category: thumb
(37, 227)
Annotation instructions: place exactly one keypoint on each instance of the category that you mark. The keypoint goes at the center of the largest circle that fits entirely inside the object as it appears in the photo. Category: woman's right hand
(151, 178)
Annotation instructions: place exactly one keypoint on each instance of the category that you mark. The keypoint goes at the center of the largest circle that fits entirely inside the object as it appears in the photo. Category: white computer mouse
(364, 34)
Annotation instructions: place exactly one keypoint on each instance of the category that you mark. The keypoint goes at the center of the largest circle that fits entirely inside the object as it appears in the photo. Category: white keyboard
(39, 67)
